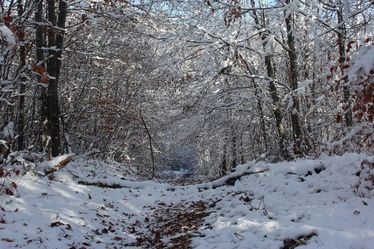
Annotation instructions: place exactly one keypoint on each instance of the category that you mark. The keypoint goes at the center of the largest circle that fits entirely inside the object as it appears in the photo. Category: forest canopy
(195, 85)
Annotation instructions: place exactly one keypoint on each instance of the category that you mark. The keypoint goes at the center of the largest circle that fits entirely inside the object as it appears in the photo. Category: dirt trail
(171, 226)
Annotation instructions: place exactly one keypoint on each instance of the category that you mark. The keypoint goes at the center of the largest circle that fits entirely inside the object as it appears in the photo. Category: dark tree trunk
(241, 149)
(151, 150)
(296, 126)
(223, 167)
(63, 8)
(55, 40)
(52, 94)
(276, 107)
(40, 43)
(262, 116)
(272, 88)
(342, 60)
(233, 147)
(21, 104)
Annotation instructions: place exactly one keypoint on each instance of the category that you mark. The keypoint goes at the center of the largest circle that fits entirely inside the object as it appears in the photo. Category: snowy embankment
(277, 206)
(293, 199)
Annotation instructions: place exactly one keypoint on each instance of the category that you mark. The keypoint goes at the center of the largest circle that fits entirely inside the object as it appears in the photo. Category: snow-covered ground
(311, 198)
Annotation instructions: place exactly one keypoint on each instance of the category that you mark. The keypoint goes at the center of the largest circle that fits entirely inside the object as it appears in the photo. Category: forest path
(168, 216)
(93, 206)
(263, 205)
(171, 225)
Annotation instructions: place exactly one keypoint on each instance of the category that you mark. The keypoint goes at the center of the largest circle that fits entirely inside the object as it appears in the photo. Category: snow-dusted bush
(359, 137)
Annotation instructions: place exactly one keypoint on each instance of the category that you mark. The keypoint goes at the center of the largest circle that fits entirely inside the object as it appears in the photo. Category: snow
(299, 203)
(3, 147)
(8, 131)
(363, 62)
(8, 36)
(47, 165)
(279, 201)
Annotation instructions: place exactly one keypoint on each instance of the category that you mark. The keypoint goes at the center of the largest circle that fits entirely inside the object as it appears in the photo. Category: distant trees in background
(219, 82)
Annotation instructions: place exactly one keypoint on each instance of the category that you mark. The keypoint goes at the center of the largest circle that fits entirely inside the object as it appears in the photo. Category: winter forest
(187, 124)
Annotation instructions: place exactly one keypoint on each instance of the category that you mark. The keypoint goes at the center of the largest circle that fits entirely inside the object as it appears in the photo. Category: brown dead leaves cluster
(171, 226)
(6, 185)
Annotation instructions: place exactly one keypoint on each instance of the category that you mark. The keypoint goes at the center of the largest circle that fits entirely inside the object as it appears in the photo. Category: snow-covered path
(311, 198)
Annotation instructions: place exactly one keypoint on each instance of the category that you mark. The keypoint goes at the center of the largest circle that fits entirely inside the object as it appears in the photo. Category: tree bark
(233, 147)
(21, 104)
(342, 60)
(40, 43)
(292, 56)
(272, 88)
(55, 40)
(52, 94)
(259, 104)
(150, 146)
(223, 166)
(63, 8)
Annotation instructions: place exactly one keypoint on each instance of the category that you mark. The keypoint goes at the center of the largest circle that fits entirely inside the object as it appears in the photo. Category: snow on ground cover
(290, 199)
(108, 172)
(61, 213)
(54, 164)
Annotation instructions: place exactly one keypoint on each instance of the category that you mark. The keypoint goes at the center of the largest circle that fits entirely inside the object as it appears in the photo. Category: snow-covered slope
(291, 200)
(310, 199)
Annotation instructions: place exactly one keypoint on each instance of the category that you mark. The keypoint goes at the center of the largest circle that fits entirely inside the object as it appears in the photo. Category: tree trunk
(233, 147)
(55, 40)
(52, 94)
(276, 107)
(241, 151)
(150, 147)
(21, 104)
(40, 43)
(258, 102)
(63, 8)
(296, 126)
(342, 59)
(223, 167)
(272, 88)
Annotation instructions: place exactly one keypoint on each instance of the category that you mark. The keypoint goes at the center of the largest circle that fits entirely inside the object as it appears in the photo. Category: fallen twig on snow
(230, 179)
(301, 240)
(102, 184)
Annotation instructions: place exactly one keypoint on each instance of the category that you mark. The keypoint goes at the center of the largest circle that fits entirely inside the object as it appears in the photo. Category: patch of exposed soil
(171, 226)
